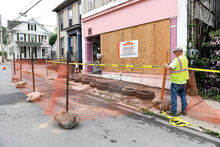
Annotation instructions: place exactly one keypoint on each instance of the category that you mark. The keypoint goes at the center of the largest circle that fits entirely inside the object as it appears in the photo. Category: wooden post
(164, 76)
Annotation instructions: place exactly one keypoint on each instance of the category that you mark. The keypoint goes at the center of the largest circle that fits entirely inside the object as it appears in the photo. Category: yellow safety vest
(181, 72)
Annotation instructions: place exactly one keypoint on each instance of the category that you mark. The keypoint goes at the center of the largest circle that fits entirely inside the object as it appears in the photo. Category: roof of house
(63, 5)
(12, 24)
(35, 44)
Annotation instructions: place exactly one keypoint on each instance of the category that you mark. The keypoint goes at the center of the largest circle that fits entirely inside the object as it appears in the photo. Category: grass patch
(211, 132)
(146, 111)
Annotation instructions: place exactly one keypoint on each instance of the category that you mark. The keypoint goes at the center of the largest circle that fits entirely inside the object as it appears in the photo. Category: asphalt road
(24, 124)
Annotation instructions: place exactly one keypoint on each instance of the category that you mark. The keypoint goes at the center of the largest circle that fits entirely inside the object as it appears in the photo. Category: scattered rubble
(66, 119)
(21, 84)
(31, 97)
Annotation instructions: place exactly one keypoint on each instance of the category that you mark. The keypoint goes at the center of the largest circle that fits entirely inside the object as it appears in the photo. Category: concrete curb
(188, 131)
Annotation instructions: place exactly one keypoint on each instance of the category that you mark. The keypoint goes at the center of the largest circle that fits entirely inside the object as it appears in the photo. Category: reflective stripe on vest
(181, 67)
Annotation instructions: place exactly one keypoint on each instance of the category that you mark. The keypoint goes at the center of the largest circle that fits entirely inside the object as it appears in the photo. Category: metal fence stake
(20, 66)
(67, 83)
(14, 63)
(32, 59)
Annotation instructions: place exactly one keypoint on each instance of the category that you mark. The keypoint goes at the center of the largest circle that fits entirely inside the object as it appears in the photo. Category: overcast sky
(9, 9)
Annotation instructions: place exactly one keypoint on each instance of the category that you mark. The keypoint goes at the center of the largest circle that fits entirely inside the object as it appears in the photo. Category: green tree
(4, 36)
(52, 38)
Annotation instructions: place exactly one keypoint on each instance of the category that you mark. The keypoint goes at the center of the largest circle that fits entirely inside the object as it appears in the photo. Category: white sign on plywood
(129, 49)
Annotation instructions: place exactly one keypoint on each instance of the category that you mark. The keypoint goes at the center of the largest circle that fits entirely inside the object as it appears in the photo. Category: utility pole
(1, 40)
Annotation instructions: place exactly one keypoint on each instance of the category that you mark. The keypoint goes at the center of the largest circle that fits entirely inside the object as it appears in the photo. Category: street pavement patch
(11, 98)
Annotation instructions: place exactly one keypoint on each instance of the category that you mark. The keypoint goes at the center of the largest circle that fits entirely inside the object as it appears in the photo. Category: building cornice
(99, 11)
(64, 5)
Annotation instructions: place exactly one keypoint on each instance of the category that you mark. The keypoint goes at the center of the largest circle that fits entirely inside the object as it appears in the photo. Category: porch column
(88, 54)
(41, 53)
(68, 47)
(79, 47)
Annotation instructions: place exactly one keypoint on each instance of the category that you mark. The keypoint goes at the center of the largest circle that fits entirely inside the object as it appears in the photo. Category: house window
(32, 26)
(32, 38)
(21, 37)
(91, 5)
(62, 47)
(61, 21)
(35, 38)
(70, 16)
(42, 38)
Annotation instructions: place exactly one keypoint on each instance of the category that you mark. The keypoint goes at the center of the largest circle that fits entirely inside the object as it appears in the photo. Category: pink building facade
(129, 14)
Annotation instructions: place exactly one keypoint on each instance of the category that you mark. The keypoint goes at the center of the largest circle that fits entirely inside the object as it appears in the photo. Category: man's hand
(167, 66)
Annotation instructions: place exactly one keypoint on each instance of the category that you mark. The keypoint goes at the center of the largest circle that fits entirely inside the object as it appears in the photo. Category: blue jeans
(175, 90)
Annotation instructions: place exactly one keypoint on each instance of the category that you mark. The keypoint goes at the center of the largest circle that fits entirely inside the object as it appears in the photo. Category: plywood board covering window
(154, 43)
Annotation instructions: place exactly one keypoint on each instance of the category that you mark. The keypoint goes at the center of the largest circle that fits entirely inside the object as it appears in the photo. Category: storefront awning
(32, 44)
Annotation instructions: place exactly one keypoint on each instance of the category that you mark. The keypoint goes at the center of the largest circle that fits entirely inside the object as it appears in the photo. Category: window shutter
(24, 37)
(17, 36)
(29, 39)
(35, 27)
(28, 26)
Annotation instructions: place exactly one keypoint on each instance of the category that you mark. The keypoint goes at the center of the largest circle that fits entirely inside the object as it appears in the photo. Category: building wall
(182, 24)
(218, 14)
(145, 12)
(75, 9)
(75, 20)
(203, 14)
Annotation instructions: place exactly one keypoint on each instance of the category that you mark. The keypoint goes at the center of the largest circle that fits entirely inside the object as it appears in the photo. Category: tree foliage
(4, 36)
(52, 38)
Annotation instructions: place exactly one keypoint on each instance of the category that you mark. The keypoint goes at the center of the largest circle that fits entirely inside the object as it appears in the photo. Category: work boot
(184, 112)
(170, 113)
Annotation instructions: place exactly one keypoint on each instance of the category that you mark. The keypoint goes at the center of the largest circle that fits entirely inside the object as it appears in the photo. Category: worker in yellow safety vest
(179, 76)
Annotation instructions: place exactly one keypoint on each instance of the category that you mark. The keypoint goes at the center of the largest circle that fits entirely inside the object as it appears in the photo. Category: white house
(27, 37)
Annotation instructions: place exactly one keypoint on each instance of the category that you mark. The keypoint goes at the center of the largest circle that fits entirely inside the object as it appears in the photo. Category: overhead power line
(27, 5)
(25, 13)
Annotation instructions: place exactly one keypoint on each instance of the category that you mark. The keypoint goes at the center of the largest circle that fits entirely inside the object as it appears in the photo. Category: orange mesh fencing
(53, 88)
(87, 107)
(197, 108)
